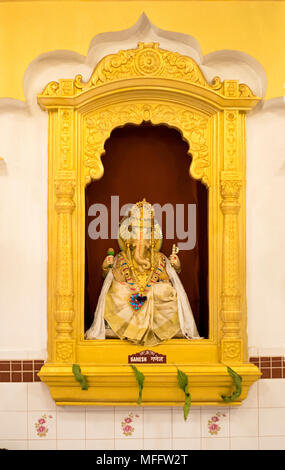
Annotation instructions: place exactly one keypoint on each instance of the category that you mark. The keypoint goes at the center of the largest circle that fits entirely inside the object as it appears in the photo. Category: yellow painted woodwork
(146, 83)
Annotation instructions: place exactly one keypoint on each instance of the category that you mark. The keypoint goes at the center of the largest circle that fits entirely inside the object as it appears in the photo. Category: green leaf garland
(79, 377)
(183, 384)
(140, 380)
(237, 380)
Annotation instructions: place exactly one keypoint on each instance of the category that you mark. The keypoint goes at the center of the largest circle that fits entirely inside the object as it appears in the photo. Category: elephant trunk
(140, 256)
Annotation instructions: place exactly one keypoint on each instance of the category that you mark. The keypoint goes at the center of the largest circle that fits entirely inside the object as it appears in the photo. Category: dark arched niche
(152, 162)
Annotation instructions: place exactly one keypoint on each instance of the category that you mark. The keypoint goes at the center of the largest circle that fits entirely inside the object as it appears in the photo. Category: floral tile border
(271, 367)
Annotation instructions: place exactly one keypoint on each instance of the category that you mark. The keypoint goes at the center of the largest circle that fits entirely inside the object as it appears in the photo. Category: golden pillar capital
(231, 184)
(64, 190)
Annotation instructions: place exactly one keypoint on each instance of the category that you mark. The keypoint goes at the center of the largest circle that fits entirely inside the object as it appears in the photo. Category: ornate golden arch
(132, 86)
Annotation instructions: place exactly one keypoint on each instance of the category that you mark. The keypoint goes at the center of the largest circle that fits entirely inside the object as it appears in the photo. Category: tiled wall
(29, 419)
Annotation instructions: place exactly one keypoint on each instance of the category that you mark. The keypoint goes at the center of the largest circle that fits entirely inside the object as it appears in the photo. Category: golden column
(64, 314)
(231, 185)
(231, 295)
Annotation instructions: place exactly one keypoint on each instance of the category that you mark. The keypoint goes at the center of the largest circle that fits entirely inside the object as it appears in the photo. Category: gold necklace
(141, 285)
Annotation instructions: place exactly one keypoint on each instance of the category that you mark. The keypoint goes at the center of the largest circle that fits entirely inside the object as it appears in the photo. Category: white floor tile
(39, 397)
(272, 393)
(70, 444)
(71, 408)
(100, 424)
(272, 443)
(244, 443)
(187, 444)
(42, 445)
(13, 425)
(13, 396)
(189, 428)
(128, 444)
(71, 424)
(220, 443)
(157, 423)
(100, 444)
(157, 444)
(243, 422)
(272, 421)
(14, 445)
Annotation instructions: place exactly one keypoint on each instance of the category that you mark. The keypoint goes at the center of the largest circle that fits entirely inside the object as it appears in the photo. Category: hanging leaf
(183, 384)
(79, 377)
(187, 405)
(237, 380)
(182, 379)
(140, 380)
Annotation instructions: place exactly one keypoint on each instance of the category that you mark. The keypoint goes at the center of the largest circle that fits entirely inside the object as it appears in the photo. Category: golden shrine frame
(146, 84)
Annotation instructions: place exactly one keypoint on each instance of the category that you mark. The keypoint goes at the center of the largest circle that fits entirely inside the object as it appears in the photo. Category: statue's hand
(108, 262)
(175, 262)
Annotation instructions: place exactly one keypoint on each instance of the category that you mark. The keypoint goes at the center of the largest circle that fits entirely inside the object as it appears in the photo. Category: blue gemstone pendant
(137, 301)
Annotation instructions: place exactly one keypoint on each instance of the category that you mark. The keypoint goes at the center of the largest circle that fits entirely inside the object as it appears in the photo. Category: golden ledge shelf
(115, 385)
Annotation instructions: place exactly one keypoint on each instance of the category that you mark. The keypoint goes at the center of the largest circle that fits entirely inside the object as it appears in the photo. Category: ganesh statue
(142, 299)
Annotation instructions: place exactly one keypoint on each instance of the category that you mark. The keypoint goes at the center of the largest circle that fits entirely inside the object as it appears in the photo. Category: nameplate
(147, 357)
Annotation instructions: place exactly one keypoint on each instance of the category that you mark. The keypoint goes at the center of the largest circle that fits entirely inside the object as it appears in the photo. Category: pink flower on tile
(42, 430)
(213, 427)
(127, 429)
(215, 419)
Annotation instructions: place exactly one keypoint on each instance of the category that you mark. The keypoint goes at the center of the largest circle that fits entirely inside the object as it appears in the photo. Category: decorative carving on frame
(193, 126)
(64, 351)
(66, 138)
(231, 351)
(147, 60)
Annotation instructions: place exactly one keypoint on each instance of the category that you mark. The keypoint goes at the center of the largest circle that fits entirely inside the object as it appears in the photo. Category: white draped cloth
(185, 315)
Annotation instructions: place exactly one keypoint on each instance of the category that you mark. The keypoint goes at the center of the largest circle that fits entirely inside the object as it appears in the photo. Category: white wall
(266, 225)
